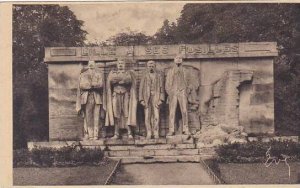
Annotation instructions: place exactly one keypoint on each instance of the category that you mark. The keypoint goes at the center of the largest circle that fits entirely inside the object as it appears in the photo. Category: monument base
(178, 148)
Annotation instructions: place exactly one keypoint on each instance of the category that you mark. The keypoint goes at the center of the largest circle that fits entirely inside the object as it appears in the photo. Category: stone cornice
(145, 52)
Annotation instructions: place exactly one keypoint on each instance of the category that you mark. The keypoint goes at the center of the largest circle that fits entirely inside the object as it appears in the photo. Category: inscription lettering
(211, 49)
(156, 50)
(99, 51)
(63, 52)
(194, 49)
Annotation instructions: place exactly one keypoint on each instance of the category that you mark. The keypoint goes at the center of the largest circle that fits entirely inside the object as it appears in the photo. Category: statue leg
(85, 127)
(117, 114)
(183, 108)
(148, 122)
(117, 129)
(89, 115)
(172, 114)
(156, 122)
(96, 121)
(127, 127)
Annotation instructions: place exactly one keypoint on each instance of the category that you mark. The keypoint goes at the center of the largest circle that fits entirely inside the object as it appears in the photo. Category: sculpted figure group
(117, 99)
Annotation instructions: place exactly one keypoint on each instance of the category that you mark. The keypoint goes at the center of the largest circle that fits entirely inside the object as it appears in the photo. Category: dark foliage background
(38, 26)
(35, 27)
(217, 23)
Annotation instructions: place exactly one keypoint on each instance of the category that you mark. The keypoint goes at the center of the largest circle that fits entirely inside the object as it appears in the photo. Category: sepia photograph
(155, 93)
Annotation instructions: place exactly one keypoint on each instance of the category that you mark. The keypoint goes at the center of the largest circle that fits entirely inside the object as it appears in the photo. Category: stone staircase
(178, 148)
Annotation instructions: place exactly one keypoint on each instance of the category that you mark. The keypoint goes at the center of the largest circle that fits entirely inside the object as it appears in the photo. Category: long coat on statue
(131, 100)
(145, 90)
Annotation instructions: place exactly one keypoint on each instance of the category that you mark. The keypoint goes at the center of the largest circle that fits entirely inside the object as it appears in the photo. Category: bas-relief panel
(63, 79)
(257, 98)
(263, 69)
(62, 95)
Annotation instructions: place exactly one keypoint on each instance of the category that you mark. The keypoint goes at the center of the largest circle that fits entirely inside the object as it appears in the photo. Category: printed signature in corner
(276, 160)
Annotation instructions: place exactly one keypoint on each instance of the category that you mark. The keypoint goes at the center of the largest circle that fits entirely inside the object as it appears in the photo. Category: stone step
(154, 159)
(151, 152)
(157, 146)
(181, 141)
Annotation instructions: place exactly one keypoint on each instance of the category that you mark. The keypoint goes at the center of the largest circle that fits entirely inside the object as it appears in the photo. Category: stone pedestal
(179, 148)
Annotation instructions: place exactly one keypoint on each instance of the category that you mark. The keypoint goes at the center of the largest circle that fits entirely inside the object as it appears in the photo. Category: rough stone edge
(215, 178)
(109, 179)
(241, 52)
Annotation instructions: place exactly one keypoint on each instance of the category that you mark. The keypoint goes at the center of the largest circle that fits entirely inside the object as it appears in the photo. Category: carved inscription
(156, 50)
(261, 49)
(194, 49)
(63, 52)
(211, 49)
(99, 51)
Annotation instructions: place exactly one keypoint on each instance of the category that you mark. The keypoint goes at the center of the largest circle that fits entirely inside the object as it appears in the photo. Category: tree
(36, 27)
(220, 23)
(129, 38)
(166, 34)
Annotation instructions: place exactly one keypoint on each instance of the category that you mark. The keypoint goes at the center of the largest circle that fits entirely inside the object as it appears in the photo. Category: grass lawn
(257, 173)
(81, 175)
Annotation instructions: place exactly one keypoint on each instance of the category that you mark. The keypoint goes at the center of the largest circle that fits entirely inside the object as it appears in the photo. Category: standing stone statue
(151, 96)
(177, 89)
(90, 99)
(121, 99)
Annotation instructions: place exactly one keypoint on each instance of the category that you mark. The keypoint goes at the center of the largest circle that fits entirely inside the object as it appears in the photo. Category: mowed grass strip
(80, 175)
(258, 173)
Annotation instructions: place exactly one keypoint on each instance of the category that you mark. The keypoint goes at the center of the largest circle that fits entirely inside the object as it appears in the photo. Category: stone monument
(225, 92)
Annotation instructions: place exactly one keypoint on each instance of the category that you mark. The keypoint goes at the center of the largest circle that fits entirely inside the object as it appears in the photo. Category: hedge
(51, 157)
(256, 151)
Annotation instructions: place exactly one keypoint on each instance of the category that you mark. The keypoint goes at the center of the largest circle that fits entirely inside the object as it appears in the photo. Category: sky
(104, 20)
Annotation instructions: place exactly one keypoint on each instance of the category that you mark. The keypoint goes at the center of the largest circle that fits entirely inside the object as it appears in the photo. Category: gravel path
(162, 174)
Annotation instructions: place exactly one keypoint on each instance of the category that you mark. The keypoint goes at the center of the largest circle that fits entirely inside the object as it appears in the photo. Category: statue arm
(162, 89)
(78, 97)
(133, 81)
(100, 81)
(168, 82)
(128, 80)
(84, 85)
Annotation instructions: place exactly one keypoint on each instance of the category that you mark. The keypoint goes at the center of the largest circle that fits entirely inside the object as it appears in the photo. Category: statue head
(121, 65)
(178, 60)
(91, 65)
(151, 65)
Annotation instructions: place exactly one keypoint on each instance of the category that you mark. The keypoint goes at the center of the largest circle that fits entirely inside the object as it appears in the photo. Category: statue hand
(195, 106)
(79, 112)
(143, 103)
(159, 104)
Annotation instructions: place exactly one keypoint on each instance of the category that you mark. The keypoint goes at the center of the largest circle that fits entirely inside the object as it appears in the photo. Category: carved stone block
(119, 141)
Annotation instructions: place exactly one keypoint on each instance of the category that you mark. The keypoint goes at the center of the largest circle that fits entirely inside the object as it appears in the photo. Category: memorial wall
(229, 84)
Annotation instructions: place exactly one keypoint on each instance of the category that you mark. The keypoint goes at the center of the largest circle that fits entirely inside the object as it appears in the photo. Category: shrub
(21, 157)
(256, 151)
(48, 157)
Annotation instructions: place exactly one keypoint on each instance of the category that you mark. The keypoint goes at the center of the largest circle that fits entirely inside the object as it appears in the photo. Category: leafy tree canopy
(219, 23)
(129, 38)
(36, 27)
